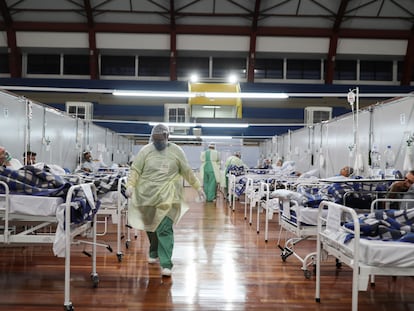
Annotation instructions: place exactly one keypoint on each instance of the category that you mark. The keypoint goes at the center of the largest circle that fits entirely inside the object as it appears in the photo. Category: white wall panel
(54, 136)
(292, 45)
(372, 47)
(132, 41)
(384, 124)
(3, 39)
(213, 43)
(12, 124)
(392, 124)
(52, 39)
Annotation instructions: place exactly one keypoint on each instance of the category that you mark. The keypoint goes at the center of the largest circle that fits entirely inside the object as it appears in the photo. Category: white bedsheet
(380, 253)
(33, 205)
(109, 199)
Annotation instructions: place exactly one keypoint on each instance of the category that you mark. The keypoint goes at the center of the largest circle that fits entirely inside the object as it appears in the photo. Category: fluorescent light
(242, 125)
(175, 124)
(212, 107)
(198, 94)
(199, 137)
(153, 94)
(231, 125)
(188, 94)
(244, 95)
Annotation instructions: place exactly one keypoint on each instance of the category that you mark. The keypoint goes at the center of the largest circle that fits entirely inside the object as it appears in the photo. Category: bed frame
(30, 236)
(117, 211)
(326, 245)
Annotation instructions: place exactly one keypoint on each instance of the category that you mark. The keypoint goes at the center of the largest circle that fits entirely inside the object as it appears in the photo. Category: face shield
(159, 136)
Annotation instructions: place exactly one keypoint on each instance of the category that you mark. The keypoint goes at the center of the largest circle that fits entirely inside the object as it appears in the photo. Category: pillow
(288, 194)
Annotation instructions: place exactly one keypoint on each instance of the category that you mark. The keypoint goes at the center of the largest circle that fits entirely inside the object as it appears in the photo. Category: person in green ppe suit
(210, 171)
(155, 191)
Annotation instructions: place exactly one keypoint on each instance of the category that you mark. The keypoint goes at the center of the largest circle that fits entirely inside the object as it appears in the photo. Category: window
(176, 115)
(189, 65)
(303, 69)
(223, 67)
(268, 69)
(76, 65)
(117, 65)
(43, 64)
(154, 66)
(345, 70)
(4, 63)
(376, 70)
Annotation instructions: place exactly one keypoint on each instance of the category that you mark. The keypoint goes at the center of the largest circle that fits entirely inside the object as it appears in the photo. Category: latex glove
(201, 195)
(128, 191)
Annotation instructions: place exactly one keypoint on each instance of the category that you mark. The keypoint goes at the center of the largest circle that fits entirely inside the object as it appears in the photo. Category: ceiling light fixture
(187, 124)
(188, 94)
(212, 107)
(198, 94)
(199, 137)
(153, 94)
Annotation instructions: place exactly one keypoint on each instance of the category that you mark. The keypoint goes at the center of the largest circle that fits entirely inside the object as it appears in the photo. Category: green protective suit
(156, 177)
(210, 171)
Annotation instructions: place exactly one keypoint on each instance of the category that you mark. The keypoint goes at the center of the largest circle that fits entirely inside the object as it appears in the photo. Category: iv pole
(353, 97)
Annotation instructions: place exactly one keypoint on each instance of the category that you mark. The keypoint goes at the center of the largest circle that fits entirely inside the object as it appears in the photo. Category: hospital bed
(298, 215)
(249, 181)
(298, 220)
(341, 235)
(114, 205)
(111, 185)
(260, 199)
(60, 221)
(266, 200)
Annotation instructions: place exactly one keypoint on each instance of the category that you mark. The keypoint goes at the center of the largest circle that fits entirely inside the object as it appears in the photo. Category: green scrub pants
(162, 243)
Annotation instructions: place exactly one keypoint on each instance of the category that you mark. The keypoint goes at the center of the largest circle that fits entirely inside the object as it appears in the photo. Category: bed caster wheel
(318, 299)
(307, 274)
(127, 244)
(109, 248)
(68, 307)
(95, 280)
(338, 264)
(284, 257)
(119, 257)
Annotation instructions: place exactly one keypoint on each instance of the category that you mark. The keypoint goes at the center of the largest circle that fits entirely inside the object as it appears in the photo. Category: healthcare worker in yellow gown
(155, 189)
(233, 160)
(210, 171)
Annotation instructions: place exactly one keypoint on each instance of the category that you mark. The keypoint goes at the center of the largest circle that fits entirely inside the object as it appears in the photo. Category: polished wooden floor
(221, 263)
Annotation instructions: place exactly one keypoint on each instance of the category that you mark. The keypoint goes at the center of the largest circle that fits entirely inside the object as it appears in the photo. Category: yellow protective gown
(156, 177)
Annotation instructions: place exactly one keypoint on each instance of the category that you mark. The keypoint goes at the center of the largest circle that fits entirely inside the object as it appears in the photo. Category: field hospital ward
(173, 155)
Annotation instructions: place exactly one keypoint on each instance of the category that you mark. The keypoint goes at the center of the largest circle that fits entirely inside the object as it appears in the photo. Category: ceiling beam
(333, 42)
(408, 61)
(173, 44)
(212, 30)
(252, 47)
(93, 51)
(15, 63)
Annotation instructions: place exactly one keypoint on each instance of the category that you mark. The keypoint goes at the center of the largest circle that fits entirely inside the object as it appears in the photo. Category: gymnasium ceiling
(209, 16)
(379, 19)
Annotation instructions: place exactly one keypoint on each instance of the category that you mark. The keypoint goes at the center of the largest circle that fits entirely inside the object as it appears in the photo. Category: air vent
(315, 115)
